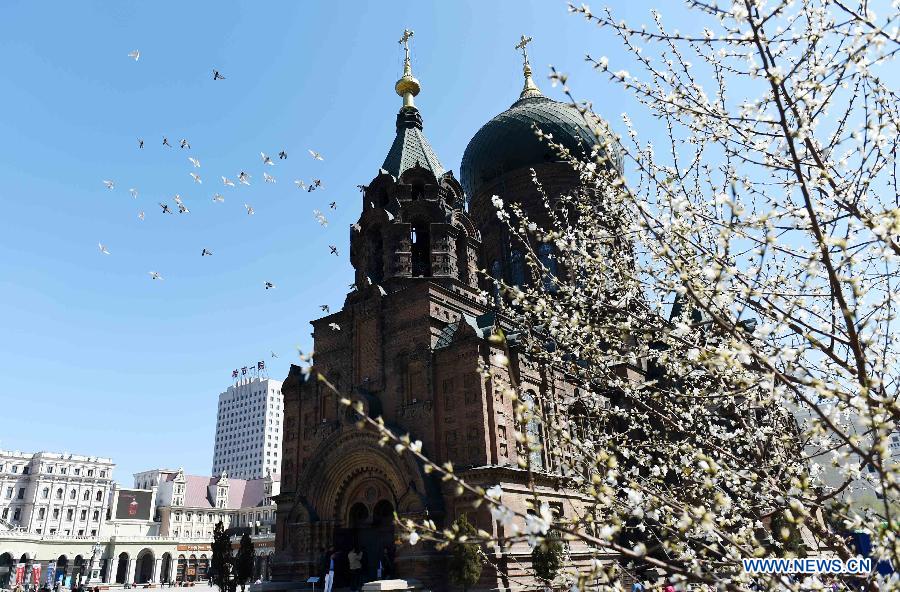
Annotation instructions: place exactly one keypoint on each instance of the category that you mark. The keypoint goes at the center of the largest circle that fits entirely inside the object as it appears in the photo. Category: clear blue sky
(100, 359)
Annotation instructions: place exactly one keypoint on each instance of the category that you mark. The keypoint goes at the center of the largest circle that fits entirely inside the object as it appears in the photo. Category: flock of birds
(243, 178)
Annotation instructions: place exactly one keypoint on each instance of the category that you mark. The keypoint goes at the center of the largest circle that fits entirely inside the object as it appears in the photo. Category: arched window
(497, 274)
(45, 493)
(375, 257)
(86, 496)
(533, 430)
(99, 495)
(548, 261)
(59, 493)
(73, 494)
(421, 249)
(516, 268)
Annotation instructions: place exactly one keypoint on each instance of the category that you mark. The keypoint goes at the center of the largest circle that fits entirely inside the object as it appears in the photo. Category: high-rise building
(54, 494)
(248, 429)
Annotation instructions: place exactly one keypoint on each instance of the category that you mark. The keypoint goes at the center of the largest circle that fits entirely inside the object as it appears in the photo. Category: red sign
(35, 574)
(20, 573)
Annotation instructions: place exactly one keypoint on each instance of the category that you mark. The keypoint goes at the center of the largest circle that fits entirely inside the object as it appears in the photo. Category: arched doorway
(26, 559)
(202, 567)
(7, 570)
(191, 575)
(180, 569)
(165, 568)
(122, 568)
(62, 566)
(143, 570)
(77, 569)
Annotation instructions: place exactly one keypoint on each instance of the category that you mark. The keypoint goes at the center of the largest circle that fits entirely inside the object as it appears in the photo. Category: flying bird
(266, 159)
(334, 250)
(282, 155)
(269, 285)
(133, 192)
(178, 199)
(194, 162)
(268, 178)
(140, 144)
(333, 205)
(362, 187)
(334, 326)
(136, 54)
(154, 275)
(228, 182)
(205, 253)
(109, 184)
(315, 155)
(320, 218)
(300, 184)
(196, 177)
(185, 144)
(274, 355)
(381, 291)
(356, 227)
(103, 248)
(244, 178)
(141, 215)
(325, 308)
(249, 210)
(316, 183)
(182, 209)
(217, 76)
(166, 142)
(218, 197)
(165, 208)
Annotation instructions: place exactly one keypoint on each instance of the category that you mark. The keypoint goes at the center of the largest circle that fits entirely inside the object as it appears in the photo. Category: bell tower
(413, 223)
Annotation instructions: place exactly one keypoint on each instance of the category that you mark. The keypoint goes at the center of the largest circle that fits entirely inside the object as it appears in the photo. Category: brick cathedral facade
(408, 343)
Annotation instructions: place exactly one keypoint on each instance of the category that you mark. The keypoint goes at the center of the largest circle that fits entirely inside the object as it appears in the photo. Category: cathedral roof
(410, 146)
(508, 141)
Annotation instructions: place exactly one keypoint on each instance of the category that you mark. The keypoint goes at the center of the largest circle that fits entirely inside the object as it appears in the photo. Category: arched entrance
(143, 570)
(26, 559)
(202, 567)
(370, 527)
(77, 569)
(122, 568)
(191, 574)
(62, 566)
(165, 568)
(181, 569)
(7, 570)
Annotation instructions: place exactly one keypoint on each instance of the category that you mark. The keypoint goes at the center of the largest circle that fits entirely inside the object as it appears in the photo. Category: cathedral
(408, 342)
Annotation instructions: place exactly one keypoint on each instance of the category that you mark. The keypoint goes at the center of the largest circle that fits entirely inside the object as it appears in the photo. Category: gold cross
(523, 42)
(407, 34)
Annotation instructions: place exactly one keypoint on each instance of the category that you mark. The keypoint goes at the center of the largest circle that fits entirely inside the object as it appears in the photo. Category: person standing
(354, 559)
(329, 575)
(385, 565)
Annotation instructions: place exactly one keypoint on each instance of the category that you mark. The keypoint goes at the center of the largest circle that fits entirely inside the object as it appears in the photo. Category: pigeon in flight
(320, 218)
(217, 76)
(141, 215)
(300, 184)
(182, 209)
(244, 178)
(136, 54)
(333, 205)
(228, 182)
(334, 326)
(194, 162)
(269, 285)
(109, 184)
(274, 355)
(154, 275)
(381, 291)
(178, 199)
(316, 183)
(249, 210)
(205, 253)
(282, 155)
(165, 208)
(196, 177)
(356, 227)
(185, 144)
(133, 192)
(315, 155)
(140, 144)
(325, 308)
(218, 197)
(103, 248)
(362, 187)
(166, 142)
(266, 159)
(334, 250)
(268, 178)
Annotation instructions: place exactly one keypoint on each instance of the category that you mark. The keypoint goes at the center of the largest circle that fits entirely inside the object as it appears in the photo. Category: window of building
(102, 474)
(15, 469)
(9, 492)
(81, 532)
(52, 531)
(45, 493)
(90, 472)
(59, 493)
(96, 516)
(17, 513)
(78, 471)
(73, 494)
(21, 493)
(99, 495)
(93, 532)
(5, 513)
(84, 514)
(41, 513)
(37, 530)
(26, 470)
(70, 513)
(55, 513)
(63, 470)
(86, 496)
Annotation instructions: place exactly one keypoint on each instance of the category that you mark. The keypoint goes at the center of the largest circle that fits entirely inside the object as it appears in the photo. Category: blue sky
(102, 360)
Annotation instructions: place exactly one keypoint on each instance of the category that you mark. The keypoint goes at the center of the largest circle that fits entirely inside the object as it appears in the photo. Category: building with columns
(52, 493)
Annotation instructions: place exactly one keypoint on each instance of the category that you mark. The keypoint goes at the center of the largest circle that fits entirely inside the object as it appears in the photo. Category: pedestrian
(354, 559)
(329, 576)
(385, 565)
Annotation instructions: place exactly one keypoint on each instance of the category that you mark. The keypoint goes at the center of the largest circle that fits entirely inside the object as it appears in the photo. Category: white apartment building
(249, 429)
(51, 493)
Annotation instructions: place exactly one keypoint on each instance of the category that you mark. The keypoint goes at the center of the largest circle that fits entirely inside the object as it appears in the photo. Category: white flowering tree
(747, 267)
